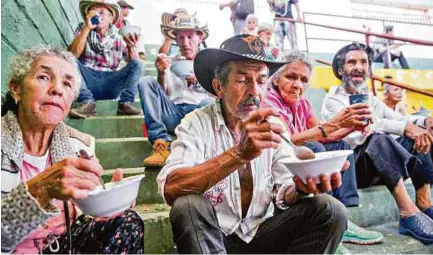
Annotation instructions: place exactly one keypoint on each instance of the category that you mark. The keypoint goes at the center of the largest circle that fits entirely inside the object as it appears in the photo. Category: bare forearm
(132, 54)
(79, 43)
(313, 134)
(161, 80)
(198, 179)
(165, 47)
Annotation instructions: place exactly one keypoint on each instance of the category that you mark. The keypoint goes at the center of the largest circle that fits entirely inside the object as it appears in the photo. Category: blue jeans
(348, 192)
(103, 85)
(162, 116)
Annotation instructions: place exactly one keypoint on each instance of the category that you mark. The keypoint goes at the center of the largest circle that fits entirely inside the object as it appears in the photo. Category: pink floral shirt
(295, 116)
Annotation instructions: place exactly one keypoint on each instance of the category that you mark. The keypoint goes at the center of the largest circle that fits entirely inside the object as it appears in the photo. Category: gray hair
(221, 73)
(21, 63)
(252, 17)
(291, 57)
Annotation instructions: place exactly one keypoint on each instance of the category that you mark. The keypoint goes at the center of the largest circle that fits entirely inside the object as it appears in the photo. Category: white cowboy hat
(112, 6)
(184, 22)
(167, 18)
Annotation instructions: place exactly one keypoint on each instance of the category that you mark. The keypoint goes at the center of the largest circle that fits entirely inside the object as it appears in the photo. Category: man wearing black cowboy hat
(380, 158)
(226, 168)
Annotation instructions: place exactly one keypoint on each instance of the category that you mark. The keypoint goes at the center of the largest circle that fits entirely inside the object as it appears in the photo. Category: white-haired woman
(40, 168)
(252, 23)
(393, 97)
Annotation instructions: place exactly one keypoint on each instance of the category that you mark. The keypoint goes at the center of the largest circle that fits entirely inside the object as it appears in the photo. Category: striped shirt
(108, 60)
(203, 135)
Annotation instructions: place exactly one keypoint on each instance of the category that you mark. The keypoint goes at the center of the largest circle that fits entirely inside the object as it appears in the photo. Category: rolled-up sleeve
(186, 151)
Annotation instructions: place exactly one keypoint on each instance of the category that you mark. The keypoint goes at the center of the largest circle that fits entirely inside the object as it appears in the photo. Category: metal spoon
(301, 152)
(83, 154)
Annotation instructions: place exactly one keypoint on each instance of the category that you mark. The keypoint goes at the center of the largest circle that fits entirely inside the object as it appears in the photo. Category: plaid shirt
(107, 61)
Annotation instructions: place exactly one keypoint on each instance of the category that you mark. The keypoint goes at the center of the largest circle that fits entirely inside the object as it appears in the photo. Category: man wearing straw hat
(100, 49)
(226, 170)
(395, 148)
(176, 92)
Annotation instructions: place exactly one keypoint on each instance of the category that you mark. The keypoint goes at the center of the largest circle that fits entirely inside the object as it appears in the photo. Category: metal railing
(367, 40)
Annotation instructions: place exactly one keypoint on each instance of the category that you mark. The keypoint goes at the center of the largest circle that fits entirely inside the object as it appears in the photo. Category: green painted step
(159, 238)
(122, 152)
(109, 126)
(109, 107)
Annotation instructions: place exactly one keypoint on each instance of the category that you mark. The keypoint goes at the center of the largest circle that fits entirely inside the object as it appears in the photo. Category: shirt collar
(219, 115)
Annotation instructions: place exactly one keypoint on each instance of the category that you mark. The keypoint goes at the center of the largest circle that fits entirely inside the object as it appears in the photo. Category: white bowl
(183, 68)
(130, 30)
(326, 163)
(116, 198)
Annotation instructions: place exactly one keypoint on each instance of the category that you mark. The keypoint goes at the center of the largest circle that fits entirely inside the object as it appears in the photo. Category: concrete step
(109, 126)
(109, 107)
(122, 152)
(159, 237)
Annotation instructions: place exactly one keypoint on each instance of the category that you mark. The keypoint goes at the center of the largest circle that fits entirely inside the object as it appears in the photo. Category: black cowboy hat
(239, 47)
(341, 54)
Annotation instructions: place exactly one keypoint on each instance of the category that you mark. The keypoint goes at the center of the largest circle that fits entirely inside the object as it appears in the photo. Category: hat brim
(166, 18)
(207, 59)
(169, 31)
(370, 55)
(86, 5)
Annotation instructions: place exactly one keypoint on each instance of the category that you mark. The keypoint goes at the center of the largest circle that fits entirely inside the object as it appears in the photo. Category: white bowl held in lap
(183, 68)
(130, 30)
(116, 198)
(326, 163)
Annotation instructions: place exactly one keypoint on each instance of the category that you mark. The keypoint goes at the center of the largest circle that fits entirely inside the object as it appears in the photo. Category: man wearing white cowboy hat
(100, 49)
(226, 168)
(176, 92)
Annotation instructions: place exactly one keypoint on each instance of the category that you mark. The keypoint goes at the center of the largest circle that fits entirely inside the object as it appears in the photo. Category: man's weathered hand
(356, 117)
(162, 62)
(191, 80)
(326, 183)
(131, 39)
(88, 20)
(258, 134)
(421, 137)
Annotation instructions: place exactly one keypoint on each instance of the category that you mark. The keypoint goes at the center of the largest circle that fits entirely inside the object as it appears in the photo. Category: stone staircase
(120, 144)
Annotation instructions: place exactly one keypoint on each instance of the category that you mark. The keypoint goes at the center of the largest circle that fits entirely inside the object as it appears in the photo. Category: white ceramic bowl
(116, 198)
(183, 68)
(327, 163)
(130, 30)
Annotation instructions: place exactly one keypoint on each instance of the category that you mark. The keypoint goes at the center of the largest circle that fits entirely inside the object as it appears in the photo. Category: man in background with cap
(123, 14)
(100, 49)
(226, 168)
(176, 92)
(379, 158)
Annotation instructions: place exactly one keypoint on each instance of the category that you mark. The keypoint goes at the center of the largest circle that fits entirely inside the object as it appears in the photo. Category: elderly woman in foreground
(287, 96)
(41, 171)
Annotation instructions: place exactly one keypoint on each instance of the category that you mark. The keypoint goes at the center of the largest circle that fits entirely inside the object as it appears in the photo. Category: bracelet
(322, 130)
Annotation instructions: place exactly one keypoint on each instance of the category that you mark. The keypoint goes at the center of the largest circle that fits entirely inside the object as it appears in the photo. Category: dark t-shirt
(280, 11)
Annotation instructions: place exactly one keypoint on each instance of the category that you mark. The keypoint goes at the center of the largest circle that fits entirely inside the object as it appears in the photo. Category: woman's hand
(71, 178)
(356, 117)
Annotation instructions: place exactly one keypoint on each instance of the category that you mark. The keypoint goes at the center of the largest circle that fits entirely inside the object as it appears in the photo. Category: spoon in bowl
(301, 152)
(83, 154)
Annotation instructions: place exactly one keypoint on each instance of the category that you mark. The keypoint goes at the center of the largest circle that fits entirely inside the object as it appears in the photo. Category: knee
(130, 220)
(137, 66)
(332, 209)
(191, 204)
(146, 83)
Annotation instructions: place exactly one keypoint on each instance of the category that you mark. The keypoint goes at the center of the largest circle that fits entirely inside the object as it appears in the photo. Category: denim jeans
(103, 85)
(312, 225)
(384, 160)
(347, 193)
(285, 29)
(161, 116)
(384, 58)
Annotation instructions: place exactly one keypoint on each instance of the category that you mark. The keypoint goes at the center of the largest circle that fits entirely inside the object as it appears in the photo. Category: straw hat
(167, 18)
(184, 22)
(111, 5)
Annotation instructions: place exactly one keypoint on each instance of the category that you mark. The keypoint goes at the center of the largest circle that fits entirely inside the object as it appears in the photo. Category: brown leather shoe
(159, 155)
(85, 110)
(128, 109)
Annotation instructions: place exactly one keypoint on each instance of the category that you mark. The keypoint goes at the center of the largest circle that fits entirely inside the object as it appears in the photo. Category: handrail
(383, 80)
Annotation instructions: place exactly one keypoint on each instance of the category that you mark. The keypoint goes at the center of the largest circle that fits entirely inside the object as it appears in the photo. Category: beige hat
(185, 22)
(167, 18)
(112, 6)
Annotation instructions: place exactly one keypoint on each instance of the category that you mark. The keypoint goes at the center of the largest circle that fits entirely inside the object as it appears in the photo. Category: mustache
(251, 100)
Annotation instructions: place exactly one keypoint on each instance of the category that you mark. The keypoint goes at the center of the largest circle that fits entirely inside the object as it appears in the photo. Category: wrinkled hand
(429, 124)
(71, 178)
(131, 39)
(275, 52)
(326, 183)
(89, 15)
(191, 80)
(258, 134)
(421, 137)
(162, 62)
(357, 117)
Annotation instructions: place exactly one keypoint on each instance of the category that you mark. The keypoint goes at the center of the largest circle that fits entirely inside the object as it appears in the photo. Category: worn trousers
(347, 193)
(383, 160)
(312, 225)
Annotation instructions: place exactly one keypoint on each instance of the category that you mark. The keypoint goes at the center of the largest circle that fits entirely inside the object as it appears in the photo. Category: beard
(357, 87)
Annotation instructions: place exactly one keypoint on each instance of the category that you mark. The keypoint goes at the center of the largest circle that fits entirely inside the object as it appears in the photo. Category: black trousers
(313, 225)
(384, 160)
